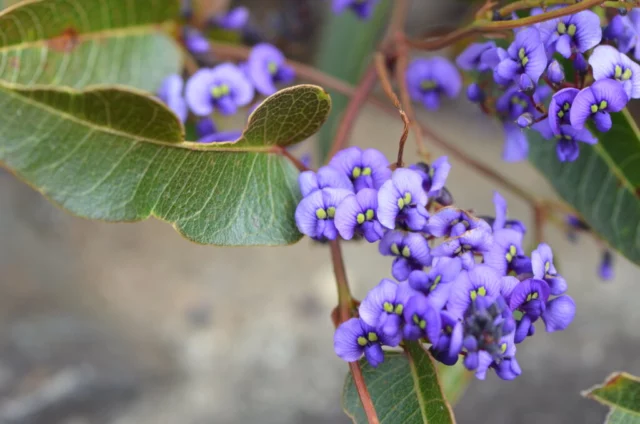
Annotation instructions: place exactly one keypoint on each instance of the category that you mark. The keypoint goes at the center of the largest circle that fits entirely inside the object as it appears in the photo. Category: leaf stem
(284, 152)
(365, 397)
(483, 26)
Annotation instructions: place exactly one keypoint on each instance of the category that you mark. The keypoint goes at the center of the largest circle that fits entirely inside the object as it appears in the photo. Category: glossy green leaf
(117, 155)
(346, 45)
(621, 392)
(404, 389)
(77, 43)
(454, 380)
(602, 184)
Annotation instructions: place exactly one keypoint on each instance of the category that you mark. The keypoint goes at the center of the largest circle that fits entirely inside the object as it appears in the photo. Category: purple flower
(507, 244)
(615, 28)
(480, 281)
(267, 67)
(357, 215)
(526, 55)
(605, 269)
(488, 336)
(326, 177)
(529, 297)
(410, 249)
(436, 284)
(403, 199)
(543, 269)
(449, 345)
(223, 88)
(501, 221)
(428, 79)
(477, 240)
(384, 305)
(453, 221)
(315, 213)
(362, 8)
(609, 63)
(555, 73)
(194, 41)
(475, 94)
(580, 32)
(208, 132)
(559, 313)
(421, 319)
(514, 103)
(434, 177)
(170, 93)
(367, 169)
(516, 145)
(629, 38)
(596, 102)
(234, 19)
(559, 108)
(354, 337)
(477, 57)
(568, 137)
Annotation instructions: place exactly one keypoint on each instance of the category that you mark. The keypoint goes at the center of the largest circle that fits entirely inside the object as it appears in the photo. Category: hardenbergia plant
(97, 95)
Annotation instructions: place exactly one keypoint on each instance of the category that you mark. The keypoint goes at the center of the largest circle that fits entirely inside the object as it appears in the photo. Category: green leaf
(404, 390)
(454, 380)
(602, 184)
(77, 43)
(117, 155)
(621, 392)
(346, 46)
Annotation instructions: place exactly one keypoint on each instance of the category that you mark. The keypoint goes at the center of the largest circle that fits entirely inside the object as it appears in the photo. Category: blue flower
(403, 200)
(354, 338)
(500, 221)
(449, 345)
(478, 57)
(384, 305)
(410, 249)
(434, 176)
(366, 169)
(357, 215)
(629, 38)
(315, 213)
(223, 88)
(477, 240)
(526, 55)
(529, 297)
(580, 32)
(438, 282)
(267, 67)
(560, 107)
(170, 93)
(597, 101)
(559, 313)
(480, 281)
(421, 319)
(234, 19)
(543, 269)
(428, 79)
(605, 269)
(363, 8)
(450, 221)
(326, 177)
(609, 63)
(555, 73)
(194, 41)
(567, 148)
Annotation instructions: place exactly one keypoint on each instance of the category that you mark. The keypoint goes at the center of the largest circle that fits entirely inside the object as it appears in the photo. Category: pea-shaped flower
(224, 88)
(428, 79)
(597, 102)
(267, 67)
(315, 213)
(608, 62)
(403, 199)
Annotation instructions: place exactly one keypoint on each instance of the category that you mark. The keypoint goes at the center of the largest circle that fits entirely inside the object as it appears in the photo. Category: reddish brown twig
(383, 75)
(284, 152)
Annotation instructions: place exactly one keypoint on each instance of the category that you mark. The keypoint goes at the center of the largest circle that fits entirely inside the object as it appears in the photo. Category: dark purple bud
(580, 63)
(526, 84)
(445, 198)
(622, 11)
(475, 93)
(555, 72)
(521, 264)
(606, 266)
(525, 120)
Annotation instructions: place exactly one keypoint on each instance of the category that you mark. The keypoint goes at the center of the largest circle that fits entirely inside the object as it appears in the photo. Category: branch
(480, 27)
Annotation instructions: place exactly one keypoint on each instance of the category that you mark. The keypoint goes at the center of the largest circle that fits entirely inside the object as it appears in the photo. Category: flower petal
(559, 313)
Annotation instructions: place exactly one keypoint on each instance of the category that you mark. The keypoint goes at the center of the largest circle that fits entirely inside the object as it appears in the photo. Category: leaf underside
(77, 43)
(100, 160)
(404, 390)
(621, 392)
(602, 184)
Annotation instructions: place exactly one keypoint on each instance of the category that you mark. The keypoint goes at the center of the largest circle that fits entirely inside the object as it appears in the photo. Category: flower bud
(526, 84)
(580, 63)
(555, 72)
(614, 29)
(525, 120)
(445, 198)
(475, 93)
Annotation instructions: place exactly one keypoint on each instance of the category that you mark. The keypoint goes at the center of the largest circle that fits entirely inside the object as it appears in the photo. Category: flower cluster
(225, 88)
(525, 85)
(460, 283)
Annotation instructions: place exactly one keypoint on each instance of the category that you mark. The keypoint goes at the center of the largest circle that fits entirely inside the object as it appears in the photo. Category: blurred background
(131, 324)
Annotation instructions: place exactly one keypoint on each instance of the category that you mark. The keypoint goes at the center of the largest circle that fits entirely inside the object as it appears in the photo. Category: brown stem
(359, 98)
(480, 27)
(365, 397)
(284, 152)
(383, 75)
